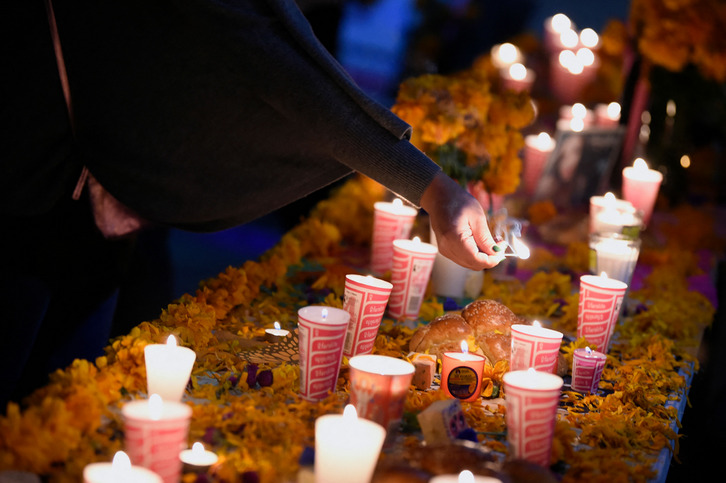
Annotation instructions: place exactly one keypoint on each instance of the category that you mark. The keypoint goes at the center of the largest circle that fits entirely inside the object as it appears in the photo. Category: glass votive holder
(614, 254)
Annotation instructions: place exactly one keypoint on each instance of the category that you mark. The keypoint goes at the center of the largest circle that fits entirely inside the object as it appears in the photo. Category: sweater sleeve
(205, 114)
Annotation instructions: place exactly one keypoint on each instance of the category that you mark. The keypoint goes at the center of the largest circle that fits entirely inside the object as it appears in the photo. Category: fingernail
(497, 248)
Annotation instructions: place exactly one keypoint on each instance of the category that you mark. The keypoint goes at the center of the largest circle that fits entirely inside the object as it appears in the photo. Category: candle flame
(567, 57)
(518, 71)
(531, 372)
(464, 347)
(120, 463)
(324, 314)
(198, 449)
(588, 350)
(640, 164)
(276, 325)
(350, 413)
(155, 407)
(397, 202)
(536, 323)
(578, 109)
(585, 56)
(569, 38)
(416, 239)
(589, 37)
(609, 198)
(613, 110)
(521, 249)
(466, 476)
(603, 275)
(560, 22)
(508, 52)
(171, 341)
(543, 139)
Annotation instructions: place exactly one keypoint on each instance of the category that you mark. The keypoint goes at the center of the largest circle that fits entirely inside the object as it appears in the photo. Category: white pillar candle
(168, 367)
(640, 186)
(118, 471)
(346, 447)
(614, 254)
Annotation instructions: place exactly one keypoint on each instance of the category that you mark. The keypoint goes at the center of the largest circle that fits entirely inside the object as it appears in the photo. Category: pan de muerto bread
(488, 321)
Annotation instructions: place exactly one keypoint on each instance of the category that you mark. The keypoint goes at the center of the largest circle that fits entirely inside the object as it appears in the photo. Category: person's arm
(460, 224)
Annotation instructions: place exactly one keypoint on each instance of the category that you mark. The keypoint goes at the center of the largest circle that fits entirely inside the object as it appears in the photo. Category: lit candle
(118, 471)
(608, 202)
(413, 261)
(391, 221)
(640, 187)
(465, 476)
(517, 77)
(531, 399)
(554, 27)
(168, 367)
(615, 254)
(534, 346)
(346, 447)
(587, 367)
(607, 115)
(504, 55)
(589, 38)
(461, 374)
(277, 334)
(155, 431)
(613, 220)
(197, 458)
(537, 149)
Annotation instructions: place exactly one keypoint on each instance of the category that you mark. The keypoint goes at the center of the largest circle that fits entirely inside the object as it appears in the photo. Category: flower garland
(252, 416)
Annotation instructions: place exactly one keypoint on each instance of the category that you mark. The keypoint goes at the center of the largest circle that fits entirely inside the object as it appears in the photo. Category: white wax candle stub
(533, 379)
(119, 470)
(156, 406)
(198, 456)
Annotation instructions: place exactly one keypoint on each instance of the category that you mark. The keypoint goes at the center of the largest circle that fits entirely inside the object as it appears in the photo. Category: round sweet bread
(442, 334)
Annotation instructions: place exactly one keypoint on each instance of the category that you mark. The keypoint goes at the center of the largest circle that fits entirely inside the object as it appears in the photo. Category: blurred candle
(504, 55)
(198, 458)
(589, 38)
(517, 77)
(537, 149)
(118, 471)
(461, 374)
(640, 186)
(607, 115)
(168, 367)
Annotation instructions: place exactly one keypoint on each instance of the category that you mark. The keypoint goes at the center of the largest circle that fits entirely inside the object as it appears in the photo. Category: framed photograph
(579, 167)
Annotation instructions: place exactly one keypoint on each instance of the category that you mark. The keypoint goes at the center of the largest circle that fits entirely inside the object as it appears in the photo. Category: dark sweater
(197, 114)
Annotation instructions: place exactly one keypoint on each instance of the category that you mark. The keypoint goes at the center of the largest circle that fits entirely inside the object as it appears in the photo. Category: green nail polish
(497, 248)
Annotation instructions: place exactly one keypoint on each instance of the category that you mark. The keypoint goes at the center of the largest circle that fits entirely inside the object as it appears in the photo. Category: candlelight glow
(585, 56)
(518, 71)
(613, 110)
(566, 58)
(609, 198)
(671, 108)
(536, 323)
(156, 406)
(521, 249)
(397, 202)
(276, 325)
(685, 161)
(640, 164)
(603, 275)
(588, 350)
(466, 476)
(416, 239)
(560, 22)
(577, 124)
(171, 341)
(543, 140)
(579, 110)
(464, 347)
(349, 413)
(589, 38)
(324, 314)
(508, 53)
(121, 463)
(569, 38)
(198, 449)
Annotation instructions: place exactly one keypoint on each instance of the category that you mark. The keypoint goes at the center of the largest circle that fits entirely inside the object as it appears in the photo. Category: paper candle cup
(168, 368)
(640, 186)
(321, 334)
(531, 399)
(365, 300)
(108, 472)
(601, 299)
(391, 221)
(587, 367)
(346, 448)
(614, 254)
(412, 264)
(611, 215)
(154, 441)
(378, 387)
(537, 149)
(461, 374)
(536, 347)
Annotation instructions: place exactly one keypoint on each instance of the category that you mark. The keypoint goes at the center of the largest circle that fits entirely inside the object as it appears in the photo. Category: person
(192, 114)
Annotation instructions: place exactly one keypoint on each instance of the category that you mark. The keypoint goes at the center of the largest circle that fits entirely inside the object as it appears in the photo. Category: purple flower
(264, 378)
(250, 477)
(252, 375)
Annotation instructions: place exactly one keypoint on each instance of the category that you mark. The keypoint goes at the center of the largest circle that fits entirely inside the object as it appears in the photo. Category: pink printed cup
(531, 399)
(599, 309)
(378, 387)
(640, 186)
(155, 431)
(321, 334)
(534, 346)
(537, 150)
(391, 221)
(413, 261)
(365, 300)
(587, 366)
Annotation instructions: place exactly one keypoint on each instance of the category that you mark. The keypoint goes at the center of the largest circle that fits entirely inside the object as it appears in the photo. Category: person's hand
(460, 225)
